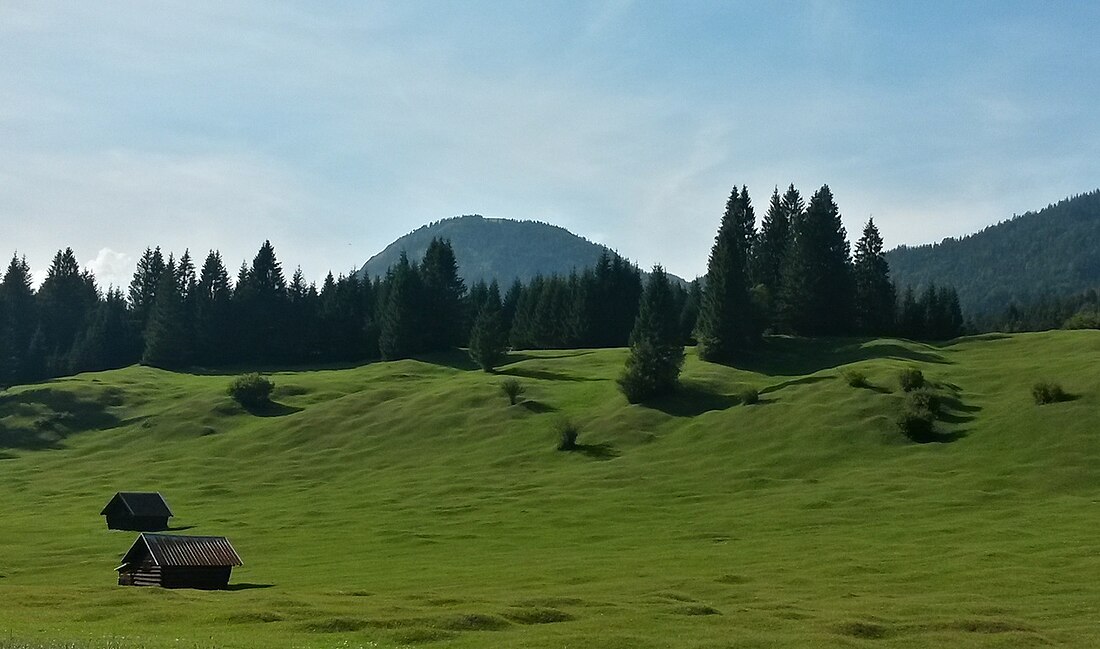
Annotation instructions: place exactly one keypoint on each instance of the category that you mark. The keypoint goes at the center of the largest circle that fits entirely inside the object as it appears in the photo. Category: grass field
(406, 504)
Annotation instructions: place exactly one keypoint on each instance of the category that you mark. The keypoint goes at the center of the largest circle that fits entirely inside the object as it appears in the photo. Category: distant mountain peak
(495, 248)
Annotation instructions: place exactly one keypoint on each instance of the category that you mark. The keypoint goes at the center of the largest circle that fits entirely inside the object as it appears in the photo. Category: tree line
(794, 274)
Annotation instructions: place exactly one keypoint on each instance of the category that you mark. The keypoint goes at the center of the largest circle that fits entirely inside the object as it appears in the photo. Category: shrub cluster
(911, 379)
(512, 389)
(568, 431)
(1045, 392)
(918, 416)
(251, 390)
(855, 378)
(749, 396)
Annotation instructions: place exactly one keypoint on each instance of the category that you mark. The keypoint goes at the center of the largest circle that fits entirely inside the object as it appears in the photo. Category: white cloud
(112, 269)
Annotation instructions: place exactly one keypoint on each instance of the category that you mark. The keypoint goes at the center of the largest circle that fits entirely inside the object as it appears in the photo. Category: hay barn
(173, 561)
(137, 512)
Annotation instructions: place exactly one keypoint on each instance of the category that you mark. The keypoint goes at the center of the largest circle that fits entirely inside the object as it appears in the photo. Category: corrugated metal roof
(177, 550)
(140, 503)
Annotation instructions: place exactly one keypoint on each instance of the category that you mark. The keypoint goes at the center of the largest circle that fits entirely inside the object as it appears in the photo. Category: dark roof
(176, 550)
(140, 503)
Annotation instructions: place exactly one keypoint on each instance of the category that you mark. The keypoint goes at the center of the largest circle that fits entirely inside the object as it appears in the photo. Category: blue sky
(333, 128)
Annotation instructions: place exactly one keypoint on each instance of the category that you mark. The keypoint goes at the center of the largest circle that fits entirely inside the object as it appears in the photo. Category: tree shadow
(456, 359)
(275, 368)
(542, 375)
(519, 357)
(941, 437)
(602, 452)
(954, 411)
(179, 528)
(247, 586)
(272, 409)
(537, 406)
(875, 388)
(692, 400)
(54, 415)
(806, 380)
(787, 356)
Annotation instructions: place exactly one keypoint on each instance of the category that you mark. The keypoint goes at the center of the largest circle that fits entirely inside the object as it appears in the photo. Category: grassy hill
(406, 504)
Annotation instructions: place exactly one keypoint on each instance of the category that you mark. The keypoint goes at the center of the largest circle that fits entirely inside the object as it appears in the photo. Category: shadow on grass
(542, 375)
(785, 355)
(179, 528)
(248, 586)
(602, 452)
(940, 437)
(692, 400)
(537, 406)
(807, 380)
(519, 357)
(53, 415)
(272, 409)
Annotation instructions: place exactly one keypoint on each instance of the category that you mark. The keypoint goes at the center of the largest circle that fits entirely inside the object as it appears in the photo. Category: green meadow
(407, 504)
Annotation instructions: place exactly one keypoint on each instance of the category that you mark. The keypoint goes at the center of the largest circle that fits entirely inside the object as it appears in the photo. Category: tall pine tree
(817, 295)
(400, 318)
(875, 298)
(726, 326)
(443, 294)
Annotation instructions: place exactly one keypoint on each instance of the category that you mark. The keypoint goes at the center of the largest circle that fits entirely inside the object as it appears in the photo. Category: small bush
(918, 416)
(923, 400)
(1045, 392)
(855, 378)
(568, 431)
(917, 425)
(512, 389)
(749, 396)
(251, 390)
(911, 379)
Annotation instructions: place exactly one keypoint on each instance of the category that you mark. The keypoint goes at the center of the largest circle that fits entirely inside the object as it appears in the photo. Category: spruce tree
(875, 298)
(143, 288)
(166, 335)
(212, 304)
(488, 340)
(443, 294)
(20, 319)
(770, 248)
(262, 304)
(656, 349)
(400, 336)
(817, 294)
(726, 325)
(65, 301)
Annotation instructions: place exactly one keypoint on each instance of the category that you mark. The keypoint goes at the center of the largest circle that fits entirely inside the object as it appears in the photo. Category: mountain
(1053, 251)
(500, 249)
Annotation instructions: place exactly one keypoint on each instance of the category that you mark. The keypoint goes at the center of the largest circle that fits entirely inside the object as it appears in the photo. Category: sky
(333, 128)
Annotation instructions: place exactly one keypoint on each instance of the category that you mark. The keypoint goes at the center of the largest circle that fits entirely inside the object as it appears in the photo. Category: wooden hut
(137, 512)
(174, 561)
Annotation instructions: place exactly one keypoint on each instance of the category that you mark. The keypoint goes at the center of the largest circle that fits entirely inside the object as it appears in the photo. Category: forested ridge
(1033, 257)
(795, 273)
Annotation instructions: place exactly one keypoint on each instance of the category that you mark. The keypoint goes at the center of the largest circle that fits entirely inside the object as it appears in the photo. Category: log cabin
(175, 561)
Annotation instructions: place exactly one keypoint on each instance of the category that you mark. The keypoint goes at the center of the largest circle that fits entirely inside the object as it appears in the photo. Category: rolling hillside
(1053, 251)
(500, 249)
(406, 504)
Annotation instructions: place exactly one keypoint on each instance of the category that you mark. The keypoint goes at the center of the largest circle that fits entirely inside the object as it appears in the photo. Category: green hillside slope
(406, 504)
(1055, 251)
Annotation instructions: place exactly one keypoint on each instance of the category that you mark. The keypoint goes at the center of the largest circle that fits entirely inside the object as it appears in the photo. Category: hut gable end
(137, 511)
